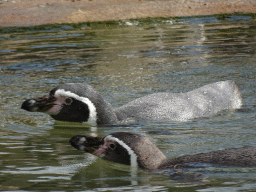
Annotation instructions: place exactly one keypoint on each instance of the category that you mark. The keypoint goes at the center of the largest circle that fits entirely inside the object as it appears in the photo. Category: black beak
(87, 143)
(39, 104)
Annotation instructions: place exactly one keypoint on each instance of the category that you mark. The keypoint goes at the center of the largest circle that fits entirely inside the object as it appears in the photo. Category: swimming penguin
(76, 102)
(137, 150)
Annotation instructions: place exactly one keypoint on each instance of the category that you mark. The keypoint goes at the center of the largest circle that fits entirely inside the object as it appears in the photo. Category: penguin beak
(39, 104)
(88, 144)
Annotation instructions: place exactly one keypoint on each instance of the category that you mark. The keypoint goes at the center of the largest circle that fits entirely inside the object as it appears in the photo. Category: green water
(124, 60)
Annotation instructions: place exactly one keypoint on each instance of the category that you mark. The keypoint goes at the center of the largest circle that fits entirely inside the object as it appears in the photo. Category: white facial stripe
(82, 140)
(133, 156)
(92, 109)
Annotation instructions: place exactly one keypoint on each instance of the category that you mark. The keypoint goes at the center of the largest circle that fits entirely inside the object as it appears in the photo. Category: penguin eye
(112, 146)
(68, 101)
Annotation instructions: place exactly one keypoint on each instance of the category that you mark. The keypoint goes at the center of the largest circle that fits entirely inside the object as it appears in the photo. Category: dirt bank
(37, 12)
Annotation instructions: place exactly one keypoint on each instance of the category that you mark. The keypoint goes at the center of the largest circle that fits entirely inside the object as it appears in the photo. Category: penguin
(138, 151)
(77, 102)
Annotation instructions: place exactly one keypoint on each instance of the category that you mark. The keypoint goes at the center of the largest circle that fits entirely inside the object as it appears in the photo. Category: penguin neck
(148, 155)
(153, 161)
(105, 112)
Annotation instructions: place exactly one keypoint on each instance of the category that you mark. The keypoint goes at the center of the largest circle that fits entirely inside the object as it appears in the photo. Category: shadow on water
(125, 60)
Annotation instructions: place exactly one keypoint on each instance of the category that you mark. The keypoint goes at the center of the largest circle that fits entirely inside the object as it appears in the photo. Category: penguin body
(137, 150)
(78, 102)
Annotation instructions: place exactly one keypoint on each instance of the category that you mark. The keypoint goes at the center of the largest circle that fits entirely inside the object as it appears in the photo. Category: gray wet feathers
(242, 157)
(202, 102)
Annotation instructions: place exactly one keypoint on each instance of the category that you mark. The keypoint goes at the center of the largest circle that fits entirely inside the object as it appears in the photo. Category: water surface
(125, 60)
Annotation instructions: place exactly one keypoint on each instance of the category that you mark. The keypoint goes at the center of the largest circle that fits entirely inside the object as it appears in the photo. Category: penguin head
(122, 147)
(74, 102)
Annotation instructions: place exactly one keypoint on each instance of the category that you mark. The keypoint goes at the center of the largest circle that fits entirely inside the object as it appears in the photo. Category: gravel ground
(38, 12)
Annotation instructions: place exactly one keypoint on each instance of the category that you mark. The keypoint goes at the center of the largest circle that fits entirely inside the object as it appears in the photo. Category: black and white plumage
(137, 150)
(78, 102)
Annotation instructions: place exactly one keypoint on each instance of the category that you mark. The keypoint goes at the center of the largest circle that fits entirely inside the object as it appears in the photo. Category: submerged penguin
(137, 150)
(76, 102)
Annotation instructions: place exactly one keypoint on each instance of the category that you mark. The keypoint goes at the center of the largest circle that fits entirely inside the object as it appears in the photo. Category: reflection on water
(124, 60)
